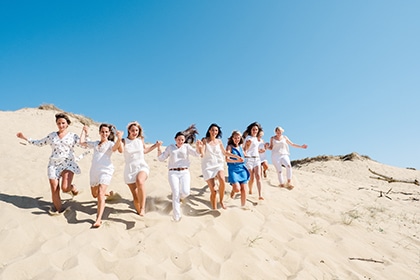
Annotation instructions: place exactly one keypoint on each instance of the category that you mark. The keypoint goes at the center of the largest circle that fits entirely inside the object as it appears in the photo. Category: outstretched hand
(20, 135)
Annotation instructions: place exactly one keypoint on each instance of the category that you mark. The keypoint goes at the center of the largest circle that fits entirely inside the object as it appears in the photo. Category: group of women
(242, 155)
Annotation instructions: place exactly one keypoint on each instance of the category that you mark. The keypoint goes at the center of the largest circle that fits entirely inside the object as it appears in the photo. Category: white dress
(134, 160)
(212, 161)
(102, 168)
(263, 156)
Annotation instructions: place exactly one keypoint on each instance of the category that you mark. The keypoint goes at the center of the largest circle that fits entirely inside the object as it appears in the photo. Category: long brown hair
(112, 131)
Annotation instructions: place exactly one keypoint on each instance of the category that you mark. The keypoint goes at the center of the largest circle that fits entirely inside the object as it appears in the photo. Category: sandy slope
(336, 224)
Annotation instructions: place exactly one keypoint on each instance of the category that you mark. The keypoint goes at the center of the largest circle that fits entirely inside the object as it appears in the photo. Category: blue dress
(237, 171)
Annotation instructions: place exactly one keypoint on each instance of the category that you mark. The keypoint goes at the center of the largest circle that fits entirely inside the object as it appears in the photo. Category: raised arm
(152, 147)
(117, 145)
(83, 135)
(304, 146)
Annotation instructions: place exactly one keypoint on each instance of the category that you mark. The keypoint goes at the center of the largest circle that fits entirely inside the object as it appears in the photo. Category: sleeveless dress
(212, 161)
(237, 171)
(134, 160)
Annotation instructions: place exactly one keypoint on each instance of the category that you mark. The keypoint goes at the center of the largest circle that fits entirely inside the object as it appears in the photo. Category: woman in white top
(263, 157)
(62, 164)
(178, 174)
(102, 169)
(252, 155)
(279, 146)
(213, 163)
(136, 169)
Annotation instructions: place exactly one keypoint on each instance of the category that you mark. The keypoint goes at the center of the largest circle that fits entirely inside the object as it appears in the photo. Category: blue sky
(340, 76)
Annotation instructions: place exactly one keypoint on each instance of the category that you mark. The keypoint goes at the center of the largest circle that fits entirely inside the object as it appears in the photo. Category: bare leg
(221, 178)
(133, 189)
(66, 185)
(213, 203)
(257, 174)
(264, 166)
(55, 194)
(141, 191)
(101, 205)
(243, 194)
(251, 180)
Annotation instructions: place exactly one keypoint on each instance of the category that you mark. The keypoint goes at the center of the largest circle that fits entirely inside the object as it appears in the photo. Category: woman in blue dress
(237, 171)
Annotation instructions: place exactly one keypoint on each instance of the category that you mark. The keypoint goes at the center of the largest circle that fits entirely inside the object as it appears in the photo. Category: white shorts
(252, 162)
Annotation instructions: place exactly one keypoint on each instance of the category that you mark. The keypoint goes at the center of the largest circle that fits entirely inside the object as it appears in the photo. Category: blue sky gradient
(340, 76)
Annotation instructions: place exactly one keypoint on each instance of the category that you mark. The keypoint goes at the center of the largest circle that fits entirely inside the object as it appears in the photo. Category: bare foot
(282, 186)
(142, 212)
(232, 194)
(97, 224)
(222, 204)
(74, 190)
(290, 187)
(261, 198)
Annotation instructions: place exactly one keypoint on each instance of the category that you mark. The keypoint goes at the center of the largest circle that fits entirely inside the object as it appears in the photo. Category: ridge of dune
(337, 223)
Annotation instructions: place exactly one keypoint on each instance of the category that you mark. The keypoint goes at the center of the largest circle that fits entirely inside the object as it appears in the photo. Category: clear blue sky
(340, 76)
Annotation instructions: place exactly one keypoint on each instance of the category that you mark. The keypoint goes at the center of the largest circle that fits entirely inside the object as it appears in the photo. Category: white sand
(333, 225)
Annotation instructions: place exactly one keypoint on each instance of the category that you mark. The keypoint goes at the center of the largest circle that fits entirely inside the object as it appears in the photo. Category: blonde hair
(138, 126)
(279, 128)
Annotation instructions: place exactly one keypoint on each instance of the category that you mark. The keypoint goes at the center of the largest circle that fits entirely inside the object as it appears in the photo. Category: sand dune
(337, 223)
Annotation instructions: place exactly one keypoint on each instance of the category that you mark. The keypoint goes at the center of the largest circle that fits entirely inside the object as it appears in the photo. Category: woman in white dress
(213, 163)
(102, 169)
(179, 176)
(252, 155)
(279, 146)
(62, 164)
(136, 170)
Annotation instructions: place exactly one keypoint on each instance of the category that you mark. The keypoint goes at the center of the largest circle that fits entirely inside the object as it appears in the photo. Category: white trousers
(278, 160)
(180, 184)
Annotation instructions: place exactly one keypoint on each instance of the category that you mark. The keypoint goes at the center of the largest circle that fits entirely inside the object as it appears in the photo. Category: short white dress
(102, 168)
(134, 160)
(212, 161)
(62, 156)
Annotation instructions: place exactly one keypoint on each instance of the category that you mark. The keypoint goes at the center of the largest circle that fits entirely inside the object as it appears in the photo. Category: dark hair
(249, 128)
(219, 134)
(179, 133)
(62, 116)
(190, 134)
(112, 131)
(230, 139)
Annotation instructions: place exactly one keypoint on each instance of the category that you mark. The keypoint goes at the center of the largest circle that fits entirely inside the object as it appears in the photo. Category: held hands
(199, 144)
(158, 146)
(119, 134)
